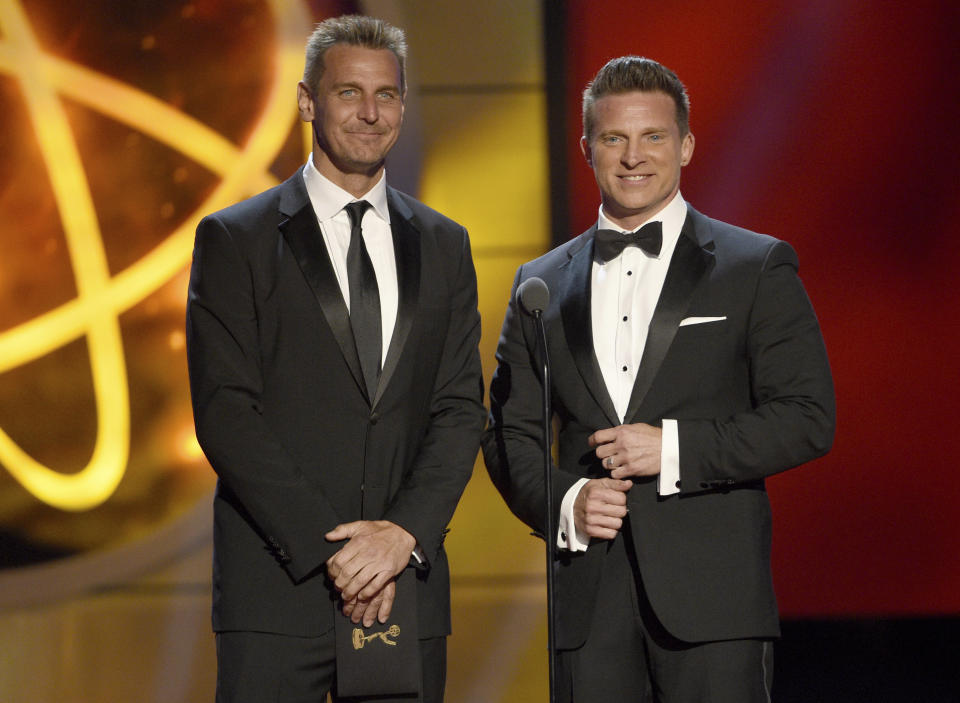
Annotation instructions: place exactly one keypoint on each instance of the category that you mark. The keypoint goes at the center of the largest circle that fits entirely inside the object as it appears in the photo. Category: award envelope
(385, 658)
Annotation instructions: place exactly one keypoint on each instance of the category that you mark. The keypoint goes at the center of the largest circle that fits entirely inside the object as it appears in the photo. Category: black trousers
(259, 667)
(630, 658)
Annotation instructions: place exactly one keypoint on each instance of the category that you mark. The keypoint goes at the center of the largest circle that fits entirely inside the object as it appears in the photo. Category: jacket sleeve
(792, 417)
(512, 443)
(226, 386)
(425, 503)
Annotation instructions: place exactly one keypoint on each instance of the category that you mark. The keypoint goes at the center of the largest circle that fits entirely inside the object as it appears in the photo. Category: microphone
(533, 296)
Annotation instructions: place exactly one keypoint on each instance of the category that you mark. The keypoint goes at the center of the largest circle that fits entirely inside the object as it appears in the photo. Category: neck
(632, 220)
(357, 183)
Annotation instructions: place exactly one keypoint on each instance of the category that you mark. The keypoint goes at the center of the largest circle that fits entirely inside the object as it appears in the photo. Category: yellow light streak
(100, 298)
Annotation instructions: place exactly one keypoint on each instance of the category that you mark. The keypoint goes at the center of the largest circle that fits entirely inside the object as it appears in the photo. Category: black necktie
(609, 243)
(364, 300)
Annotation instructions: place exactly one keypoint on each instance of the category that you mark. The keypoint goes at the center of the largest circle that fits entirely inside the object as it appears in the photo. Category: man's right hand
(600, 507)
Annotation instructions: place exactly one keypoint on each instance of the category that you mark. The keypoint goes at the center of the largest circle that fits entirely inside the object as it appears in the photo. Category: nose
(368, 111)
(633, 154)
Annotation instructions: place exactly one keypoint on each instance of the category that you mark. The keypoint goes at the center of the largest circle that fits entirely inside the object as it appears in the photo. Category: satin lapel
(406, 249)
(689, 264)
(578, 327)
(302, 234)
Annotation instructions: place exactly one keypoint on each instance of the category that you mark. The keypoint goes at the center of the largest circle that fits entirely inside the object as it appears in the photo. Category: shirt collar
(672, 218)
(328, 199)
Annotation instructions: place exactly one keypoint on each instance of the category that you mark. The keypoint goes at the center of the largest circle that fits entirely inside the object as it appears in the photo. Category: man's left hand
(628, 450)
(375, 552)
(377, 608)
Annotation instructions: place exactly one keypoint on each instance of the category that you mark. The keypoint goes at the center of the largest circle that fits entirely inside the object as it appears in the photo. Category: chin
(364, 166)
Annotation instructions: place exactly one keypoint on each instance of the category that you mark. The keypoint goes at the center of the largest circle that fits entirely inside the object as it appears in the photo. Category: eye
(610, 139)
(656, 138)
(387, 95)
(349, 93)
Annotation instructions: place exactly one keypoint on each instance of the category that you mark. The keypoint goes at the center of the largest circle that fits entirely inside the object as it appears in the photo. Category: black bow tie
(609, 243)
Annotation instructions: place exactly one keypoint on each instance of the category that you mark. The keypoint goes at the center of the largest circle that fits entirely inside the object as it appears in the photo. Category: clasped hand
(364, 569)
(625, 451)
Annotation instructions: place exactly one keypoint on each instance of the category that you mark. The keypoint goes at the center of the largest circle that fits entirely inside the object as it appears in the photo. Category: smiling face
(636, 152)
(356, 113)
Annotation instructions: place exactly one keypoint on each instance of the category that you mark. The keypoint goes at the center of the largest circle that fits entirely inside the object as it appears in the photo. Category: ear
(686, 149)
(304, 102)
(587, 152)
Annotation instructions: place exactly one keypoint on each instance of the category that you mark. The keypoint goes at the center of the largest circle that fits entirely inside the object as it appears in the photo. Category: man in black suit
(687, 367)
(332, 340)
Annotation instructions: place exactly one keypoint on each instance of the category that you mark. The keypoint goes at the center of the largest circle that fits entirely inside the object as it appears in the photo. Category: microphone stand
(548, 487)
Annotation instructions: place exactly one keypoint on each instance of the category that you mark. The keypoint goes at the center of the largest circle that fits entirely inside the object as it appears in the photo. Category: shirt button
(624, 318)
(629, 273)
(624, 368)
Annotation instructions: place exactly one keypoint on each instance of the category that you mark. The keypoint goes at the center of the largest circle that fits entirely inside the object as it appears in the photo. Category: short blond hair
(629, 73)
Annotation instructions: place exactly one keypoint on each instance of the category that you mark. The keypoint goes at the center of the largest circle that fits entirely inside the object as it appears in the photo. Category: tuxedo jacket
(752, 395)
(282, 413)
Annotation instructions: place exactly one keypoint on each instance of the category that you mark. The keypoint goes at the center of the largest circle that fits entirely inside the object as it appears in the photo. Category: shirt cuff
(568, 537)
(668, 482)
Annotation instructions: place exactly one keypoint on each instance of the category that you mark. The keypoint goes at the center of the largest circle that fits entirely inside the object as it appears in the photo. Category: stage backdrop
(831, 124)
(121, 123)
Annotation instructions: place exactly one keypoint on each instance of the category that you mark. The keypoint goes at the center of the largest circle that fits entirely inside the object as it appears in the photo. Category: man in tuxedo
(332, 340)
(687, 366)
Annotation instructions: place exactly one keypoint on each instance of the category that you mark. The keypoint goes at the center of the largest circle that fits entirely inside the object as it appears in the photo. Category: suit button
(677, 484)
(374, 418)
(704, 484)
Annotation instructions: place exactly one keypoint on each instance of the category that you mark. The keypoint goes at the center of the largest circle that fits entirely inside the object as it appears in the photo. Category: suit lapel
(302, 234)
(690, 262)
(406, 249)
(577, 324)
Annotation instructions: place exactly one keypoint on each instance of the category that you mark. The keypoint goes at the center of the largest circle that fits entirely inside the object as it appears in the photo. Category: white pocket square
(700, 320)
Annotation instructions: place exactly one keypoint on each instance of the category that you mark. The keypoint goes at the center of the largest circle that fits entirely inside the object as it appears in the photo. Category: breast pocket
(701, 351)
(703, 327)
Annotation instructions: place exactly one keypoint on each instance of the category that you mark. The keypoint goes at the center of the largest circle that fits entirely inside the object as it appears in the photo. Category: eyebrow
(352, 84)
(617, 132)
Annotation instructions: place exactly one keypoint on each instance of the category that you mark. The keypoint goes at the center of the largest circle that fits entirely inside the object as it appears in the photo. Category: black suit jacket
(752, 395)
(282, 415)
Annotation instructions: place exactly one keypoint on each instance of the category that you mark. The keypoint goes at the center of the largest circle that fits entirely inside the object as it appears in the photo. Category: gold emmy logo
(84, 245)
(359, 639)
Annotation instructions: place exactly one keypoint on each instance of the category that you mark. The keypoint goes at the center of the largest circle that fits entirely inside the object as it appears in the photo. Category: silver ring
(609, 462)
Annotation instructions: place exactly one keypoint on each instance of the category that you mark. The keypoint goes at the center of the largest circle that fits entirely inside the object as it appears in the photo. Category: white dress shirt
(624, 293)
(329, 201)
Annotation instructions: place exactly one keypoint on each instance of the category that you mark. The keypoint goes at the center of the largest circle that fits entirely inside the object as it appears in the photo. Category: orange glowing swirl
(100, 297)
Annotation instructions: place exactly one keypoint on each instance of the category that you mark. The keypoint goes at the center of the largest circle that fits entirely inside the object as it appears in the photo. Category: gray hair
(354, 30)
